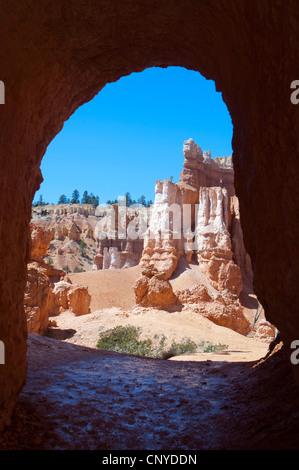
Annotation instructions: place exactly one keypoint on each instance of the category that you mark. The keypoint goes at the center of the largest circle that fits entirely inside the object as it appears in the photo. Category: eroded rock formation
(69, 225)
(104, 233)
(153, 290)
(71, 296)
(198, 219)
(48, 290)
(115, 248)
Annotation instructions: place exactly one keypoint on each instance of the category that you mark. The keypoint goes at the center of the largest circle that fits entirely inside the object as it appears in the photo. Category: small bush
(82, 249)
(187, 346)
(125, 339)
(78, 270)
(209, 347)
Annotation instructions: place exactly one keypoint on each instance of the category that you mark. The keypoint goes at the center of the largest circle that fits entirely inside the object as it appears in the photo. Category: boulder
(152, 290)
(74, 297)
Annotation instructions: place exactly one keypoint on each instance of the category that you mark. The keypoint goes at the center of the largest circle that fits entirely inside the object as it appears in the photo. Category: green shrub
(125, 339)
(78, 270)
(209, 347)
(187, 346)
(82, 248)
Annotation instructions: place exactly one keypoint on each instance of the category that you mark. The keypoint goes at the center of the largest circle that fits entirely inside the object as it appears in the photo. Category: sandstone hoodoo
(196, 222)
(152, 290)
(197, 217)
(115, 249)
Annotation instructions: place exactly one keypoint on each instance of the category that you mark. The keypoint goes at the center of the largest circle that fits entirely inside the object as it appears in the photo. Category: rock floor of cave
(80, 398)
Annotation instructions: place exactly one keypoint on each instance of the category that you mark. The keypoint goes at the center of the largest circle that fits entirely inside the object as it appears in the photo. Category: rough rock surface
(85, 238)
(40, 242)
(60, 57)
(152, 290)
(223, 309)
(48, 290)
(72, 297)
(40, 301)
(115, 249)
(211, 238)
(200, 170)
(69, 225)
(149, 404)
(206, 196)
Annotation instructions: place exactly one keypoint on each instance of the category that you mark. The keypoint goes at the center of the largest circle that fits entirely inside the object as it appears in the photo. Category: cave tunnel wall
(55, 56)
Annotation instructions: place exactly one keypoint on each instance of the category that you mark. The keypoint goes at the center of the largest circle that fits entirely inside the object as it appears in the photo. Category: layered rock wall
(106, 239)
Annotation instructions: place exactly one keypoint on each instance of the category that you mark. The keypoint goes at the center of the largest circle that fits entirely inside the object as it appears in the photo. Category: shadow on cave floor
(61, 334)
(80, 398)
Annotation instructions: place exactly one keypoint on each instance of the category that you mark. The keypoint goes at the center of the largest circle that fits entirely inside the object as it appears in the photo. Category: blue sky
(132, 134)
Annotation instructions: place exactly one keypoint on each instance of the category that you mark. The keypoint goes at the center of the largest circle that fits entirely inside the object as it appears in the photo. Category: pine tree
(85, 198)
(62, 199)
(95, 201)
(128, 199)
(75, 197)
(142, 200)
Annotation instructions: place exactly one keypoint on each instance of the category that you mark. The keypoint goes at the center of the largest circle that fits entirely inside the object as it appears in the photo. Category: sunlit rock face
(49, 290)
(214, 241)
(118, 244)
(164, 241)
(69, 225)
(201, 170)
(151, 290)
(198, 218)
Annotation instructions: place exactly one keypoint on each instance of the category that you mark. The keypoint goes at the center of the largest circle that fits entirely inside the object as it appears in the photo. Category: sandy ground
(113, 303)
(109, 287)
(84, 330)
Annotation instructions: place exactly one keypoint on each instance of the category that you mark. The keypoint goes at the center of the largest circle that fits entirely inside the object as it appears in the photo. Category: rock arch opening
(183, 250)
